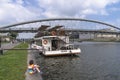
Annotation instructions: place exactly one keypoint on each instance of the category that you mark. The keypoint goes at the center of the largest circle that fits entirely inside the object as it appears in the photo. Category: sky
(14, 11)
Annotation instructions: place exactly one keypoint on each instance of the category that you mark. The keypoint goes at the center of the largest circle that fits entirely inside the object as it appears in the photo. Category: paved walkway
(9, 45)
(37, 76)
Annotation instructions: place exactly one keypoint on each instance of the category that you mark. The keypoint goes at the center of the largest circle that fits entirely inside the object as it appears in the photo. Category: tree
(13, 35)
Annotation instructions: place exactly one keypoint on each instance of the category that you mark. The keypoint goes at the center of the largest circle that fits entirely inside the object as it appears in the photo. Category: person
(32, 68)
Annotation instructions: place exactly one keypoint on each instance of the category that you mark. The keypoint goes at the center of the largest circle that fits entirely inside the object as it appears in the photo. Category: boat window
(39, 42)
(63, 48)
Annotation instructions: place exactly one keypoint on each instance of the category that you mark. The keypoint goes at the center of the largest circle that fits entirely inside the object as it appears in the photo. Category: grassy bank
(13, 64)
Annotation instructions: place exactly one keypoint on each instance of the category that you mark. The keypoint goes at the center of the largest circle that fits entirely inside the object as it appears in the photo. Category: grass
(13, 64)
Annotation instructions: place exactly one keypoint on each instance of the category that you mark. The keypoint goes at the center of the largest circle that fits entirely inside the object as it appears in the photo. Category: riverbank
(32, 56)
(13, 64)
(97, 40)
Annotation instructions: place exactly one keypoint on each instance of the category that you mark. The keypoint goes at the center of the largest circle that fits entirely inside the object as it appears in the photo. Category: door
(54, 44)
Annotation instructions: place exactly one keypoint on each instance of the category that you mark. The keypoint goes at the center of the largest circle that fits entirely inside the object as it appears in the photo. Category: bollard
(1, 51)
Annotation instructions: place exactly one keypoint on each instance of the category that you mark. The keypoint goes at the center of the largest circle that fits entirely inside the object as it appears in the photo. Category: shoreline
(37, 76)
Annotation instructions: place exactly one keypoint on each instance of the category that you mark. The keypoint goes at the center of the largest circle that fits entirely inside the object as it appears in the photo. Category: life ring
(53, 33)
(45, 41)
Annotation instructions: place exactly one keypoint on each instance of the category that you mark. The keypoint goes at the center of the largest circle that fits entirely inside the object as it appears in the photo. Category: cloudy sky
(12, 11)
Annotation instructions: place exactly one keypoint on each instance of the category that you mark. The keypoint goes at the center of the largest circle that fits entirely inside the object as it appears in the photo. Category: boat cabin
(51, 43)
(57, 45)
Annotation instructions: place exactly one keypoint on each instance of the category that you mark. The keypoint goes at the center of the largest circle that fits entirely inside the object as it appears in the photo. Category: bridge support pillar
(95, 35)
(117, 36)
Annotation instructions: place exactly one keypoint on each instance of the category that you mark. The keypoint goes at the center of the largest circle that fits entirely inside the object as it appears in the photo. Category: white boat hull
(62, 52)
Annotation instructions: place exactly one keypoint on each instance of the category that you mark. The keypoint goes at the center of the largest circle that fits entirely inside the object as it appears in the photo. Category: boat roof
(43, 37)
(49, 36)
(55, 28)
(43, 27)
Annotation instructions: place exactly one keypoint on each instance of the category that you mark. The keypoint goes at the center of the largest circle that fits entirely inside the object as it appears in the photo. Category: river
(98, 61)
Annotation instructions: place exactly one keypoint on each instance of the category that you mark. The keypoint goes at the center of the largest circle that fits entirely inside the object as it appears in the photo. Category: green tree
(13, 35)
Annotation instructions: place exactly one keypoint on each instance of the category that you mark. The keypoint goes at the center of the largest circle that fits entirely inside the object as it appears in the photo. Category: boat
(55, 45)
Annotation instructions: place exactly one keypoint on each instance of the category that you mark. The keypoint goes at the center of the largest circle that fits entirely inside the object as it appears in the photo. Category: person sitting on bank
(32, 68)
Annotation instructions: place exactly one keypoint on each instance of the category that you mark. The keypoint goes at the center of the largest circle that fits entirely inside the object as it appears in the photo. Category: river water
(98, 61)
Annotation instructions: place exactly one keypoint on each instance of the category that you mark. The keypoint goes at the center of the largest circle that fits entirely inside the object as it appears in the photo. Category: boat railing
(68, 47)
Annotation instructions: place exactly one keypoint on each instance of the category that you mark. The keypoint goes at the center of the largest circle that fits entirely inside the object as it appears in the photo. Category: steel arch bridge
(59, 19)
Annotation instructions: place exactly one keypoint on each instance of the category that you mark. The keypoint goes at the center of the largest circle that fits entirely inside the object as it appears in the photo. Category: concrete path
(8, 46)
(37, 76)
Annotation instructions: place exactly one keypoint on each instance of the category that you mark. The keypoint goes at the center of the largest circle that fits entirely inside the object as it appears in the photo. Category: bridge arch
(60, 19)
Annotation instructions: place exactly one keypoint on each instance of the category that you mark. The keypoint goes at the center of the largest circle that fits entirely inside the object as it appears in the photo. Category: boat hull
(62, 52)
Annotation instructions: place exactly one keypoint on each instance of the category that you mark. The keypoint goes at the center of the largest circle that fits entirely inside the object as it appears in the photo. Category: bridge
(20, 30)
(74, 25)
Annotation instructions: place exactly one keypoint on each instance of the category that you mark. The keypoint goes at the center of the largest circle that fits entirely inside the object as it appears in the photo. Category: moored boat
(56, 45)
